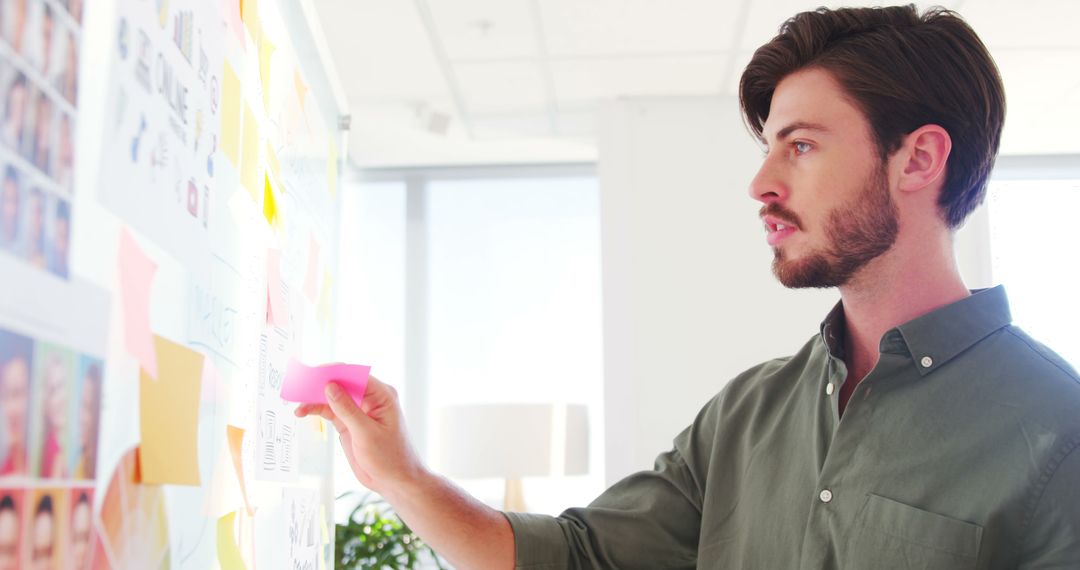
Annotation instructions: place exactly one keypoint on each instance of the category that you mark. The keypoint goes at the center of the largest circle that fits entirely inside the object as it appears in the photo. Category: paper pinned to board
(307, 384)
(169, 416)
(277, 312)
(230, 114)
(137, 272)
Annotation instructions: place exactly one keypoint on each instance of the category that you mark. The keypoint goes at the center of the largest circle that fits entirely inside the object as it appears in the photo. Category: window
(1034, 256)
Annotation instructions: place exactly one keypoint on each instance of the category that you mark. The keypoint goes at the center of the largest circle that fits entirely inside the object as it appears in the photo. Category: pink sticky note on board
(307, 384)
(136, 275)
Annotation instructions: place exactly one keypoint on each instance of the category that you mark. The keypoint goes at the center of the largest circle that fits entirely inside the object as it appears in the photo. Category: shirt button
(825, 496)
(927, 362)
(829, 389)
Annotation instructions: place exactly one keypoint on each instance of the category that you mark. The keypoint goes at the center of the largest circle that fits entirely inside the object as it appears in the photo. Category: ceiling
(446, 82)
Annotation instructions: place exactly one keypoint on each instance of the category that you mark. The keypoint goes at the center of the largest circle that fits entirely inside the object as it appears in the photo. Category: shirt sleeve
(650, 519)
(1053, 536)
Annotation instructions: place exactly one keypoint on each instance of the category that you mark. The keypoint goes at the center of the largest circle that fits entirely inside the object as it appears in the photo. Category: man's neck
(889, 292)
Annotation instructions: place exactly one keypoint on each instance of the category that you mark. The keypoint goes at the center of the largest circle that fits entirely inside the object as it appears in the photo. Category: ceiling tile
(360, 34)
(484, 29)
(611, 78)
(501, 87)
(591, 27)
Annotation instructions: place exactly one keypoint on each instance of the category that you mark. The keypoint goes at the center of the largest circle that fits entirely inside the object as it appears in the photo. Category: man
(958, 431)
(81, 530)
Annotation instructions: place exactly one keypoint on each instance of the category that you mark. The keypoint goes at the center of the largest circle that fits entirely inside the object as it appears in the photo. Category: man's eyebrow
(800, 125)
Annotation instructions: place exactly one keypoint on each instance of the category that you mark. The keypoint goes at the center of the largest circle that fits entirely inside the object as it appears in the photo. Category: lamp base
(514, 497)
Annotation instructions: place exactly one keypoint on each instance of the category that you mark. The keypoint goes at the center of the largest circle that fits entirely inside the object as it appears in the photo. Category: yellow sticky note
(266, 52)
(249, 13)
(230, 114)
(249, 162)
(301, 87)
(169, 416)
(332, 170)
(270, 211)
(228, 550)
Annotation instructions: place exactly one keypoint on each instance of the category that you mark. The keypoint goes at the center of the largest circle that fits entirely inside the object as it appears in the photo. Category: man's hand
(372, 435)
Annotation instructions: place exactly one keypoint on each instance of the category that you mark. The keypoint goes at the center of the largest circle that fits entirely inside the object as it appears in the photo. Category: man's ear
(924, 153)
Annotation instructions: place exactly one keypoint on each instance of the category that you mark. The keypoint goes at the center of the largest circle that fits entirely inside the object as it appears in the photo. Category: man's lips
(777, 229)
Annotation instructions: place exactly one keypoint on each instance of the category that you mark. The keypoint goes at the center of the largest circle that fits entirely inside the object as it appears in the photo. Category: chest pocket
(889, 534)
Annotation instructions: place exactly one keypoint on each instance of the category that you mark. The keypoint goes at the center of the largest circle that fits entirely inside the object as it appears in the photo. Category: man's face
(56, 388)
(827, 207)
(80, 533)
(14, 387)
(41, 557)
(9, 540)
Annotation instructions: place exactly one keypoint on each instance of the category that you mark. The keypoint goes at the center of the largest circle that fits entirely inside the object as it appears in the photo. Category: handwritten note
(136, 275)
(169, 415)
(301, 510)
(307, 384)
(276, 424)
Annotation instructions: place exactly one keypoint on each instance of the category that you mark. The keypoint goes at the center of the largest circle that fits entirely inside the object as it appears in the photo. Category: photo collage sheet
(51, 363)
(214, 158)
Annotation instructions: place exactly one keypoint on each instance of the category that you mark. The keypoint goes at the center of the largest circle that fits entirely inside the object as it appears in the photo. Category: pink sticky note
(136, 274)
(311, 283)
(307, 384)
(277, 312)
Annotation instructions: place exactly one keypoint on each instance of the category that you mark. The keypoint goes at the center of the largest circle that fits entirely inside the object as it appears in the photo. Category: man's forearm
(460, 528)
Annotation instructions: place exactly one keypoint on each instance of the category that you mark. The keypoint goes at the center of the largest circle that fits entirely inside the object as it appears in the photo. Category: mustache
(777, 211)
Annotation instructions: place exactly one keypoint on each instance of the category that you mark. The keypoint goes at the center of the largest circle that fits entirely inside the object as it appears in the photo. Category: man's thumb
(343, 406)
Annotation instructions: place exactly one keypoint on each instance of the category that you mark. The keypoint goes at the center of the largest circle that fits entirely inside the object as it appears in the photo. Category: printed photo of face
(15, 100)
(16, 356)
(40, 150)
(65, 154)
(35, 228)
(9, 208)
(88, 418)
(61, 238)
(10, 528)
(69, 81)
(54, 385)
(15, 20)
(81, 531)
(43, 529)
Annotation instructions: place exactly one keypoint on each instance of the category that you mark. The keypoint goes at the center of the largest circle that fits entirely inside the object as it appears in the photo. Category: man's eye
(801, 147)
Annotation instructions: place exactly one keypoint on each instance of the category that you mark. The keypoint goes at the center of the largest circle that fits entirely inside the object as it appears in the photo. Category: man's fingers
(345, 409)
(320, 410)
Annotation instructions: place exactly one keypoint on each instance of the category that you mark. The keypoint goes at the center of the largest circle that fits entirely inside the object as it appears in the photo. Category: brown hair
(903, 71)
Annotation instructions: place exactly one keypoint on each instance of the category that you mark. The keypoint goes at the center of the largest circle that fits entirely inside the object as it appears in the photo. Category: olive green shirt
(957, 451)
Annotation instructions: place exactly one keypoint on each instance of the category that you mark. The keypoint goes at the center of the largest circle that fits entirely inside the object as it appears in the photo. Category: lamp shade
(511, 440)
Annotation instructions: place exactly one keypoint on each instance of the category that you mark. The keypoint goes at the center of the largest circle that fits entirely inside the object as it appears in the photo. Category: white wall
(689, 297)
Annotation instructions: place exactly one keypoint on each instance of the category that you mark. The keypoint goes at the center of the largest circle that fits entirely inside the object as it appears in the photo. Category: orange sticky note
(249, 161)
(236, 440)
(277, 312)
(230, 114)
(311, 280)
(136, 275)
(169, 416)
(228, 549)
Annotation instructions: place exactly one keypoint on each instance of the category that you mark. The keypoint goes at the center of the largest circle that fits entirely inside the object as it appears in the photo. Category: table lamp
(511, 441)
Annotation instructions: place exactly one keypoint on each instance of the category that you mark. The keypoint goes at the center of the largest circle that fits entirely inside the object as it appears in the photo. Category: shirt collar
(937, 337)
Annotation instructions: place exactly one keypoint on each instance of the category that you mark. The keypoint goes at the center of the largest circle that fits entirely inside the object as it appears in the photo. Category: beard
(855, 235)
